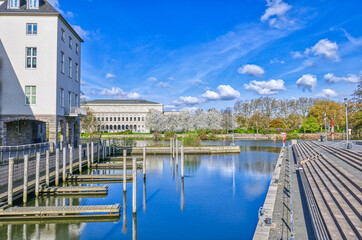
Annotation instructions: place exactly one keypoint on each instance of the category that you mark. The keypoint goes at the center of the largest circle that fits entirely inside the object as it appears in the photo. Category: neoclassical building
(40, 60)
(121, 115)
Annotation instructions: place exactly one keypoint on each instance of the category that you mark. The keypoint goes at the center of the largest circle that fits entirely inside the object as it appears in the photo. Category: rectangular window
(107, 119)
(77, 48)
(119, 119)
(30, 95)
(70, 42)
(143, 118)
(76, 72)
(139, 119)
(122, 119)
(62, 60)
(17, 126)
(31, 28)
(31, 54)
(63, 35)
(110, 119)
(33, 4)
(70, 67)
(130, 119)
(76, 100)
(114, 119)
(14, 3)
(70, 99)
(62, 97)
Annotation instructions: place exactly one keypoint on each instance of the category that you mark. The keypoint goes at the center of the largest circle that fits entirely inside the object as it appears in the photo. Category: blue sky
(204, 54)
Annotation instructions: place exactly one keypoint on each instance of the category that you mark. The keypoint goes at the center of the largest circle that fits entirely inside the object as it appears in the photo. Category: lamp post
(325, 124)
(346, 103)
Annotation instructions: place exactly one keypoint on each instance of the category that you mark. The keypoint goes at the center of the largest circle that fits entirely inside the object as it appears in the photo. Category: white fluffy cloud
(189, 100)
(275, 13)
(330, 78)
(307, 81)
(116, 92)
(170, 106)
(110, 75)
(56, 5)
(266, 87)
(163, 84)
(328, 93)
(152, 79)
(297, 54)
(251, 69)
(324, 48)
(211, 95)
(225, 92)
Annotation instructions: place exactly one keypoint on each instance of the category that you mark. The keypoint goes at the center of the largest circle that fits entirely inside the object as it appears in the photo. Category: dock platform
(58, 212)
(114, 166)
(97, 178)
(84, 190)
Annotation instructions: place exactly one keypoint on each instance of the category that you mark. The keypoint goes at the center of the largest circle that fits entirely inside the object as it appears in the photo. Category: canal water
(219, 198)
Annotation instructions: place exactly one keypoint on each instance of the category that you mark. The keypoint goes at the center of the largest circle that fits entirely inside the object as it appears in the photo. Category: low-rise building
(121, 115)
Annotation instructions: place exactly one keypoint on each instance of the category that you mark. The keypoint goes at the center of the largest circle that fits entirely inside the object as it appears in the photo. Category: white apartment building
(40, 61)
(122, 115)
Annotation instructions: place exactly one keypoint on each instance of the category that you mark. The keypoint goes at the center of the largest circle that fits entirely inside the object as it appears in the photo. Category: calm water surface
(219, 198)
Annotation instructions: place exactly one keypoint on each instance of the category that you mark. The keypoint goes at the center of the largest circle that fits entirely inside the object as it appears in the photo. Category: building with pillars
(122, 115)
(40, 60)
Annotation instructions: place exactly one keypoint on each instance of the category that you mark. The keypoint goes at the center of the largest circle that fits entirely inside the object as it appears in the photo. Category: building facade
(40, 56)
(122, 115)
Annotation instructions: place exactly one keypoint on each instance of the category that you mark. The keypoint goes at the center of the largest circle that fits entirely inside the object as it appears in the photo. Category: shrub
(191, 140)
(203, 135)
(169, 135)
(156, 136)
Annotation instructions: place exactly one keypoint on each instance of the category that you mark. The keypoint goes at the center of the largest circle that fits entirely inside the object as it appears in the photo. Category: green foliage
(169, 135)
(310, 125)
(203, 135)
(277, 123)
(191, 140)
(156, 136)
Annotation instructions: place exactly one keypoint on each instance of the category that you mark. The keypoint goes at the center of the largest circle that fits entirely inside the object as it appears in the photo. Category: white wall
(64, 81)
(14, 75)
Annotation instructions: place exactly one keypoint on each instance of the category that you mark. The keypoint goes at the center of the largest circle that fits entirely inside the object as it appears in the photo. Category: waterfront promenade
(315, 194)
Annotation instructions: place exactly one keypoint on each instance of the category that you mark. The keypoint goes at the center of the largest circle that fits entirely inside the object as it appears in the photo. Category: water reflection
(124, 219)
(224, 193)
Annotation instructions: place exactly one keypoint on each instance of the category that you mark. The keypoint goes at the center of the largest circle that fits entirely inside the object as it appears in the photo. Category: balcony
(75, 112)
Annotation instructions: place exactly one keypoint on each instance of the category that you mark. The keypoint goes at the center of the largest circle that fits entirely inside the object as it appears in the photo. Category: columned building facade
(40, 60)
(122, 115)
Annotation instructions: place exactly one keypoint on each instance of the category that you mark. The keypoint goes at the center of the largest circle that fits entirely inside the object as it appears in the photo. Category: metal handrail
(17, 152)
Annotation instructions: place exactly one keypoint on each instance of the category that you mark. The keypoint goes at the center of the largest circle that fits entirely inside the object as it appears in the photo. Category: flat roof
(118, 101)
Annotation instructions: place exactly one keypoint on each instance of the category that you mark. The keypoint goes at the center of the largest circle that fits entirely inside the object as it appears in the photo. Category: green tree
(277, 123)
(310, 125)
(89, 123)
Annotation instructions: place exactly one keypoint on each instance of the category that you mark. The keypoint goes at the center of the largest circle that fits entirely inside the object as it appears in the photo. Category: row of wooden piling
(174, 147)
(90, 159)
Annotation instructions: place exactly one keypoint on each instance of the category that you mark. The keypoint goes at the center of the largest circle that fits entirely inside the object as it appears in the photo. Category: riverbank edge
(262, 230)
(187, 150)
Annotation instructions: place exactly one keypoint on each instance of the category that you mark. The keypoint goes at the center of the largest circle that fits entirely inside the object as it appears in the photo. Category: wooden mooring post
(134, 185)
(47, 166)
(25, 187)
(37, 174)
(10, 181)
(98, 151)
(70, 159)
(92, 152)
(80, 158)
(144, 162)
(64, 175)
(56, 166)
(88, 159)
(176, 152)
(109, 147)
(124, 170)
(182, 161)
